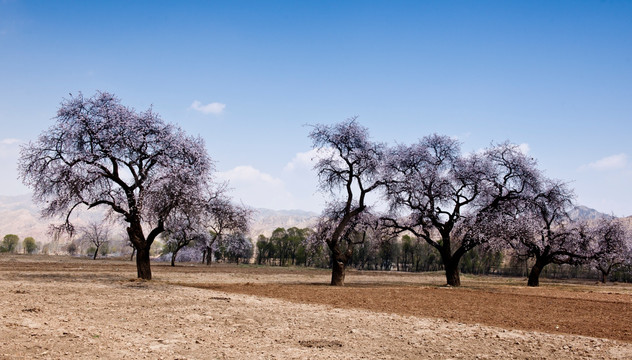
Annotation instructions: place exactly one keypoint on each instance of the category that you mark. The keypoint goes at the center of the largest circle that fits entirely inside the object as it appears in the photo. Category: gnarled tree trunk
(209, 255)
(142, 263)
(605, 272)
(452, 275)
(143, 245)
(451, 262)
(338, 269)
(534, 274)
(339, 260)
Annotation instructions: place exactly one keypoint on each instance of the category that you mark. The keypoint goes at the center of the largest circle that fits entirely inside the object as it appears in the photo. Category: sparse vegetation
(10, 243)
(29, 245)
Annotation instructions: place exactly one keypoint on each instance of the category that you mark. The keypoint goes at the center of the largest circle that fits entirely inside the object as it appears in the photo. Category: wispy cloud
(9, 141)
(9, 148)
(248, 173)
(524, 148)
(612, 162)
(258, 189)
(307, 160)
(211, 108)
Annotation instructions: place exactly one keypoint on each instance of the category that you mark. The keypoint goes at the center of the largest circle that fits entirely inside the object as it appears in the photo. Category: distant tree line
(291, 247)
(11, 244)
(287, 247)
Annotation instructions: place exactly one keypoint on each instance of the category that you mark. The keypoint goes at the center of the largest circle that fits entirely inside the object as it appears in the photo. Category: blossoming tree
(102, 153)
(448, 198)
(348, 169)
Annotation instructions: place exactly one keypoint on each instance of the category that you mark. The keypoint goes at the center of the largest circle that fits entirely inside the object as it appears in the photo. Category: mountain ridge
(20, 216)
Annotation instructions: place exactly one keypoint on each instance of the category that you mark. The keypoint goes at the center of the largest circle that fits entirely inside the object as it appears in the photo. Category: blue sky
(247, 76)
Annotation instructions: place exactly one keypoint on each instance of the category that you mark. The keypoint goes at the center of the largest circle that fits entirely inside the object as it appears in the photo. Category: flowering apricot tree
(349, 170)
(184, 228)
(613, 245)
(222, 219)
(96, 235)
(542, 229)
(448, 198)
(102, 153)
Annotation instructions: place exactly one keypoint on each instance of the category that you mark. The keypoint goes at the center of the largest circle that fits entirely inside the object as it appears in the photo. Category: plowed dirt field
(61, 307)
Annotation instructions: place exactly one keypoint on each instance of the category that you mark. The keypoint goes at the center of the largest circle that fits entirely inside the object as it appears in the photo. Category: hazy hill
(585, 213)
(18, 215)
(266, 220)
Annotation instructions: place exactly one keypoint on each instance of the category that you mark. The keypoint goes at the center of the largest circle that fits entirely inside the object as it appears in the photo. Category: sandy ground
(54, 308)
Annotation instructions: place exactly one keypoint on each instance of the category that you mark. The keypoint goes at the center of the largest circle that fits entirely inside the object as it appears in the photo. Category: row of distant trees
(229, 248)
(286, 247)
(292, 246)
(11, 244)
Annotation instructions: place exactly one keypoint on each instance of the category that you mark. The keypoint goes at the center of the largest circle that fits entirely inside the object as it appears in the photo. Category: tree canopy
(102, 153)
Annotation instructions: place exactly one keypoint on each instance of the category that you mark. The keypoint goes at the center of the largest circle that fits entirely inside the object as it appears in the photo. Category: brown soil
(605, 316)
(58, 307)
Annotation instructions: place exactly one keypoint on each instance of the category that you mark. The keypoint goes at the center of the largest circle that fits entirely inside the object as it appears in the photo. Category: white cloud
(212, 108)
(9, 141)
(258, 189)
(612, 162)
(302, 160)
(307, 160)
(248, 173)
(461, 137)
(9, 148)
(524, 148)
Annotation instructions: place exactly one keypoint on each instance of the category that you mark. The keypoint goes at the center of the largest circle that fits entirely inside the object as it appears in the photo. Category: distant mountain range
(266, 220)
(585, 213)
(18, 215)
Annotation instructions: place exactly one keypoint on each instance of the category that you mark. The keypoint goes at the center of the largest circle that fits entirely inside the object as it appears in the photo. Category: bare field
(61, 307)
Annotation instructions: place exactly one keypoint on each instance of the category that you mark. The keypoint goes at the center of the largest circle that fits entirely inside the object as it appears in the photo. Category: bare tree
(447, 198)
(94, 234)
(101, 153)
(348, 169)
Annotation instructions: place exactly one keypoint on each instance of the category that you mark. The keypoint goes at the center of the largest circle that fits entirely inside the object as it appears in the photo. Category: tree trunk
(604, 275)
(209, 257)
(338, 273)
(133, 252)
(452, 275)
(142, 263)
(173, 258)
(95, 253)
(534, 274)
